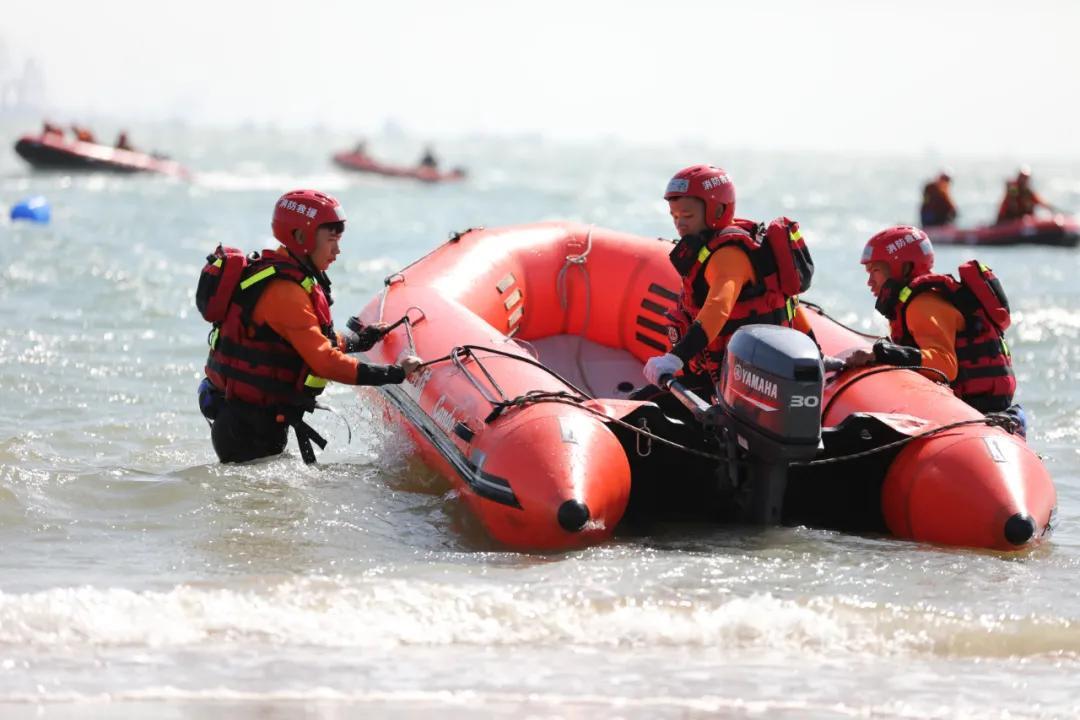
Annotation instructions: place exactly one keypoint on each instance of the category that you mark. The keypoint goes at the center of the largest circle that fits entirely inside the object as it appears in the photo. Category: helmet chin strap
(305, 259)
(302, 260)
(320, 276)
(888, 296)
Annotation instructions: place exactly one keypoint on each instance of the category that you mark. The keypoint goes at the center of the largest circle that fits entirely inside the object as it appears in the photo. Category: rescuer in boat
(275, 347)
(956, 327)
(938, 207)
(1020, 199)
(122, 142)
(82, 134)
(48, 128)
(735, 272)
(428, 159)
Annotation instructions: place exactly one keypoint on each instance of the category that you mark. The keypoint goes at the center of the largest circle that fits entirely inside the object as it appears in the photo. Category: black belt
(305, 435)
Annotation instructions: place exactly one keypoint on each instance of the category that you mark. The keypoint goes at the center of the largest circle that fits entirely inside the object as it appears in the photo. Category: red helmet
(709, 184)
(898, 245)
(303, 210)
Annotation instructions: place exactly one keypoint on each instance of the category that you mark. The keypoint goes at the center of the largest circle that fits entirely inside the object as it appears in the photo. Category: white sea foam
(472, 703)
(387, 612)
(130, 557)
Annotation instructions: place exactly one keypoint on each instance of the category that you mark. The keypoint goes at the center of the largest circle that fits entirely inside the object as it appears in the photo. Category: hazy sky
(968, 76)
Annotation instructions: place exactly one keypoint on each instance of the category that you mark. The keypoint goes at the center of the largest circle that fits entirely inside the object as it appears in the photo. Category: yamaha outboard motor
(770, 394)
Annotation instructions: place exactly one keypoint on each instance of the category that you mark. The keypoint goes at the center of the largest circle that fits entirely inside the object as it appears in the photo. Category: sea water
(140, 578)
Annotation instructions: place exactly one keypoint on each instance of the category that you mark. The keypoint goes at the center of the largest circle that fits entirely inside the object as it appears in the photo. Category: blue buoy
(35, 209)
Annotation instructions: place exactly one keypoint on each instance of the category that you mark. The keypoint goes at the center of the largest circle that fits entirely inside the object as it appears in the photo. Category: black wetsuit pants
(243, 432)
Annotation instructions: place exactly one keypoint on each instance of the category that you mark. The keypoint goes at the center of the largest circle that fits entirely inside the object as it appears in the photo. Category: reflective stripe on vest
(758, 303)
(253, 363)
(258, 277)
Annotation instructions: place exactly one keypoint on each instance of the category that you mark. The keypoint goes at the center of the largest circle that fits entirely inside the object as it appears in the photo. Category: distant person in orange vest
(428, 160)
(48, 128)
(122, 142)
(938, 207)
(82, 134)
(1020, 200)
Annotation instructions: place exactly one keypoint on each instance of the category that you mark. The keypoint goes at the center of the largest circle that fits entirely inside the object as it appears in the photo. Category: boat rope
(1002, 420)
(577, 261)
(574, 397)
(399, 276)
(387, 282)
(408, 321)
(814, 306)
(460, 354)
(538, 396)
(330, 409)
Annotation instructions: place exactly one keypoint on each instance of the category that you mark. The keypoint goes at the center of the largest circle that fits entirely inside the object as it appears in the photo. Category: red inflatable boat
(360, 162)
(536, 334)
(1057, 230)
(52, 151)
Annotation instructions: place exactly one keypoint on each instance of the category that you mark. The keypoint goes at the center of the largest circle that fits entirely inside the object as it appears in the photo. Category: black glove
(693, 342)
(359, 336)
(889, 353)
(379, 374)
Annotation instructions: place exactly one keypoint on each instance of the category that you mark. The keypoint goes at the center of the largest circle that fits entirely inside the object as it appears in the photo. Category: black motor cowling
(771, 385)
(770, 394)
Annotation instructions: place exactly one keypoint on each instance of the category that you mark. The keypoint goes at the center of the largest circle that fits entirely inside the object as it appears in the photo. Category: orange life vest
(1019, 202)
(783, 268)
(250, 362)
(984, 377)
(938, 203)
